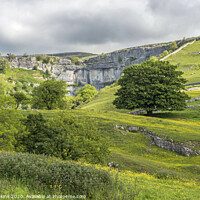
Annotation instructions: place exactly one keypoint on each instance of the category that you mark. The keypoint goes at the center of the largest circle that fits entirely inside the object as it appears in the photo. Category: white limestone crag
(98, 71)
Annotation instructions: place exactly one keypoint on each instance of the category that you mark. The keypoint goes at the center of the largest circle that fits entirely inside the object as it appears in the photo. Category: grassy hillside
(145, 170)
(188, 59)
(50, 177)
(17, 79)
(103, 100)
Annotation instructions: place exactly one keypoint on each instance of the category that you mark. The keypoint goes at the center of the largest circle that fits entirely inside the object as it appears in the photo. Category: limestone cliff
(98, 71)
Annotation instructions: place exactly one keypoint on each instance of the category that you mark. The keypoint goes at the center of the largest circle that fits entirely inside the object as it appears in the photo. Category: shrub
(25, 55)
(46, 60)
(11, 128)
(35, 67)
(10, 56)
(66, 138)
(119, 59)
(39, 58)
(40, 170)
(75, 60)
(102, 55)
(87, 92)
(4, 65)
(165, 53)
(173, 46)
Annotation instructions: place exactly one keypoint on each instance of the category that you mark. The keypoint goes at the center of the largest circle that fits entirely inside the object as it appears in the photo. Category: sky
(95, 26)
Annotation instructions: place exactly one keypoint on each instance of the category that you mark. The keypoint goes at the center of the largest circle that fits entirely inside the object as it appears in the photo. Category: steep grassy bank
(188, 60)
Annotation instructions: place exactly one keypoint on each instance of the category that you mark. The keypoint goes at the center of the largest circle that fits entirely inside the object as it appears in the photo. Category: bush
(102, 55)
(4, 65)
(119, 59)
(75, 60)
(11, 128)
(35, 67)
(46, 60)
(39, 58)
(25, 55)
(165, 53)
(66, 138)
(87, 92)
(39, 170)
(173, 46)
(10, 56)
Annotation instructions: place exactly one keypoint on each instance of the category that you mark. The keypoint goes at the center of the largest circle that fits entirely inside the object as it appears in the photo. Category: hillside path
(178, 50)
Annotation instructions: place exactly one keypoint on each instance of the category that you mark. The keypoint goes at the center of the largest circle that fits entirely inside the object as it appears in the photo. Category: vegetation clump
(173, 46)
(49, 94)
(41, 171)
(65, 137)
(4, 64)
(20, 98)
(10, 56)
(86, 92)
(75, 60)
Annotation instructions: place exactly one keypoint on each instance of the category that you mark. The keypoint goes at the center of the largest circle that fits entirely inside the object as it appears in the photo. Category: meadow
(144, 170)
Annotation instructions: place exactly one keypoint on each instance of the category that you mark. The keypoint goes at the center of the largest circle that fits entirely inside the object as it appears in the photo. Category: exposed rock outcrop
(98, 71)
(164, 142)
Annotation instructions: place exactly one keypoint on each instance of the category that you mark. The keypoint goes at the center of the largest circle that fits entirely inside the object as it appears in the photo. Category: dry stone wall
(164, 143)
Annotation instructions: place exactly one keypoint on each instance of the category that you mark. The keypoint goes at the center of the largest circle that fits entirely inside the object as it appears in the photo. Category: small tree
(75, 60)
(25, 55)
(20, 98)
(151, 86)
(165, 53)
(173, 46)
(4, 64)
(10, 56)
(49, 95)
(86, 92)
(39, 58)
(46, 60)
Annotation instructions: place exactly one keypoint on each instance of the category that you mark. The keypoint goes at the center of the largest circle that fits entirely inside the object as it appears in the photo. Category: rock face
(98, 71)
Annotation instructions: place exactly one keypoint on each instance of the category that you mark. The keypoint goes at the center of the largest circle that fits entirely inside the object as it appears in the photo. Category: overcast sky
(96, 26)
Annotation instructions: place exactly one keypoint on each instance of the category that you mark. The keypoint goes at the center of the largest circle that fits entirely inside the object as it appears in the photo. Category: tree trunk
(149, 112)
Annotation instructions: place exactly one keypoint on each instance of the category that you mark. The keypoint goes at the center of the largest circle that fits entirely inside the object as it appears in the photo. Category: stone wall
(165, 142)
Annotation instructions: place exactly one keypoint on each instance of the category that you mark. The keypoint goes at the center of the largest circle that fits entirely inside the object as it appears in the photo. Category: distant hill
(72, 54)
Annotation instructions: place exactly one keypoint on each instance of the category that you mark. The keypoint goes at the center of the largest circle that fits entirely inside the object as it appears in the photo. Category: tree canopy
(49, 94)
(20, 98)
(173, 46)
(86, 92)
(152, 85)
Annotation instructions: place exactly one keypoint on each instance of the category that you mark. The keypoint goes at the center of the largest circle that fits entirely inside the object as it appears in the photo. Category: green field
(186, 58)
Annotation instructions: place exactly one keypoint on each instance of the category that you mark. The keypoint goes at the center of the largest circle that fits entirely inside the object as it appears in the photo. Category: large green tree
(49, 94)
(152, 85)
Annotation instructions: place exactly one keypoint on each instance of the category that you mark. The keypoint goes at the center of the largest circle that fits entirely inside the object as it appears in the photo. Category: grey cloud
(47, 26)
